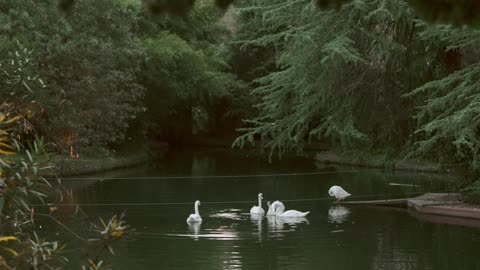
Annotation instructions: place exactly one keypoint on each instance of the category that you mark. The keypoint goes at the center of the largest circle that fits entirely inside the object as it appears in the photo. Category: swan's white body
(338, 192)
(272, 208)
(195, 217)
(258, 210)
(279, 210)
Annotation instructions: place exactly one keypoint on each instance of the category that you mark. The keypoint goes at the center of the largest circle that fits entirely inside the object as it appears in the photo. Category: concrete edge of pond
(441, 208)
(445, 204)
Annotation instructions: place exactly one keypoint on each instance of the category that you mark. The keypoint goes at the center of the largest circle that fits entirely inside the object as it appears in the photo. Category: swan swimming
(195, 217)
(338, 192)
(279, 210)
(258, 210)
(273, 207)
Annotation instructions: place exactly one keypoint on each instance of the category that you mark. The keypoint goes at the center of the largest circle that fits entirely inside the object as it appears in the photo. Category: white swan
(195, 217)
(258, 210)
(272, 208)
(338, 192)
(280, 211)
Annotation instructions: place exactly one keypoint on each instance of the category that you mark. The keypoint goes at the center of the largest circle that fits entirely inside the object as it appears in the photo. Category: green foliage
(456, 12)
(448, 115)
(25, 91)
(95, 61)
(23, 180)
(22, 185)
(181, 77)
(471, 193)
(446, 11)
(175, 7)
(189, 87)
(91, 58)
(6, 146)
(108, 233)
(20, 75)
(337, 71)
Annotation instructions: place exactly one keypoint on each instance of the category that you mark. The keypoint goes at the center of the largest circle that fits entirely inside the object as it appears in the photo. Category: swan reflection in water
(278, 222)
(338, 214)
(257, 220)
(233, 214)
(195, 229)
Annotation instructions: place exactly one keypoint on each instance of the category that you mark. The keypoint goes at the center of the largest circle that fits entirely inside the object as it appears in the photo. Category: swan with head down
(279, 209)
(273, 207)
(193, 218)
(258, 210)
(338, 192)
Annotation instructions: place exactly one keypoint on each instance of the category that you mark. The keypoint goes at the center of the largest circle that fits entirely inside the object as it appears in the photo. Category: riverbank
(324, 155)
(378, 161)
(447, 204)
(227, 142)
(90, 165)
(442, 208)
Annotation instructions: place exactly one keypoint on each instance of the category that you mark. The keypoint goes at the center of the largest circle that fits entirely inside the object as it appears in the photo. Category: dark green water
(331, 237)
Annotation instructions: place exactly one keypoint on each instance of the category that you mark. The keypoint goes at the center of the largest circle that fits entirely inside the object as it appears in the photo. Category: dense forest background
(101, 78)
(369, 75)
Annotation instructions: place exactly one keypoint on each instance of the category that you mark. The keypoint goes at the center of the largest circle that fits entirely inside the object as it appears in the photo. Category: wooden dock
(391, 203)
(439, 204)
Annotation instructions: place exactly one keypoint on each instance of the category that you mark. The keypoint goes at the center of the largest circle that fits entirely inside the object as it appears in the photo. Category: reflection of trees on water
(395, 243)
(203, 165)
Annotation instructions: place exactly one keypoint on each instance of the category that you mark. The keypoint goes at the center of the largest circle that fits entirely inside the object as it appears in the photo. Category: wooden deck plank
(392, 202)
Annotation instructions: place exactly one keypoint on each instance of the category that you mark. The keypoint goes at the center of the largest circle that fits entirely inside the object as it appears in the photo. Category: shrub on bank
(471, 193)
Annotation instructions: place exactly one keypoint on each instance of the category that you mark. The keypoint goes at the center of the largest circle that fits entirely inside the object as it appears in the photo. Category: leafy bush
(88, 62)
(471, 193)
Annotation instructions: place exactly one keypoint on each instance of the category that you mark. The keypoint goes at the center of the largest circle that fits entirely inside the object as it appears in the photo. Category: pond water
(331, 237)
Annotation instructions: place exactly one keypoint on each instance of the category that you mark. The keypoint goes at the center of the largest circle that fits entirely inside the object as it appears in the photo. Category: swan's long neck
(259, 201)
(196, 209)
(279, 209)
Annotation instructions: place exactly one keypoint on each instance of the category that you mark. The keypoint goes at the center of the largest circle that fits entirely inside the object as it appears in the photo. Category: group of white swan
(277, 208)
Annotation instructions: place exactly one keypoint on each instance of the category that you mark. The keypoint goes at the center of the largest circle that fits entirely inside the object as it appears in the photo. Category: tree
(448, 112)
(341, 74)
(188, 80)
(91, 57)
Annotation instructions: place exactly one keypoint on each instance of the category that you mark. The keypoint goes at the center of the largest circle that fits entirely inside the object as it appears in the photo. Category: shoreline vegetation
(324, 154)
(320, 153)
(91, 165)
(364, 159)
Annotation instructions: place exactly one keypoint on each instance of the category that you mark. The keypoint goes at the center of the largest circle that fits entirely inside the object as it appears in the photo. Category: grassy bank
(365, 159)
(467, 186)
(89, 165)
